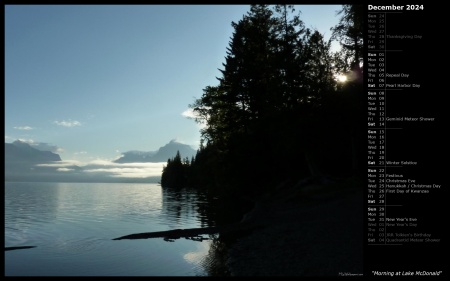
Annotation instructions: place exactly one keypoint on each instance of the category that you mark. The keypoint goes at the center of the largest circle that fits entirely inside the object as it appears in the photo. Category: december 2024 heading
(395, 8)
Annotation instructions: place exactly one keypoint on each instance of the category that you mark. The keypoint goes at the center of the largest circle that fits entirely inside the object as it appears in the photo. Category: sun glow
(342, 78)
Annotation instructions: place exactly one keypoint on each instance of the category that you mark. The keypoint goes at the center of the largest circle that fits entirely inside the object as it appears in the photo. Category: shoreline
(321, 235)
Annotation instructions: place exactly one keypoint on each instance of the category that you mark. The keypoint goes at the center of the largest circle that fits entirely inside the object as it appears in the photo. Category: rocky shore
(316, 232)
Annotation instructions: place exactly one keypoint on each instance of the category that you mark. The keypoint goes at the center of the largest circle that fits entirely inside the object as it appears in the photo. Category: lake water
(73, 224)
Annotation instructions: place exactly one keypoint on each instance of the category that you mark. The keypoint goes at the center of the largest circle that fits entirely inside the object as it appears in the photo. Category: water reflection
(27, 208)
(72, 226)
(215, 262)
(181, 205)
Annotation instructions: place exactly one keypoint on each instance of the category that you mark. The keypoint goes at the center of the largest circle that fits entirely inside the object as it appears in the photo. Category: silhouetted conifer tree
(275, 113)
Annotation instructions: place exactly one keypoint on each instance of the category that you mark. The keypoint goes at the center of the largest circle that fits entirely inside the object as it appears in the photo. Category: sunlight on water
(73, 224)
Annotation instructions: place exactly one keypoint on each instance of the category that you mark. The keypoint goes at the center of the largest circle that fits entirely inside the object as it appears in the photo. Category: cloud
(62, 164)
(80, 152)
(26, 128)
(125, 170)
(43, 146)
(65, 170)
(105, 168)
(29, 141)
(189, 113)
(94, 171)
(69, 123)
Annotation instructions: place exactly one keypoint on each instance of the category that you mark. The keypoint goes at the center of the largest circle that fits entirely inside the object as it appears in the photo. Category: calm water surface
(73, 224)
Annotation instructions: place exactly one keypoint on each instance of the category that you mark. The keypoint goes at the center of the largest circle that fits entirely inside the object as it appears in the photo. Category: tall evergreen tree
(350, 33)
(174, 173)
(268, 108)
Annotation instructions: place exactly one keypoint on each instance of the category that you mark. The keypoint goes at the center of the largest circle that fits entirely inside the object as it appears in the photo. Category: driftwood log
(172, 234)
(18, 248)
(192, 233)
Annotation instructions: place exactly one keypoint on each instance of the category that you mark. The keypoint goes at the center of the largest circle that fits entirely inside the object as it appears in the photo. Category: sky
(90, 82)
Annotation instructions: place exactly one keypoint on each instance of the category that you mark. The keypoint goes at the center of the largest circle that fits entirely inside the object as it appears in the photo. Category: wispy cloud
(130, 172)
(110, 169)
(68, 123)
(43, 146)
(29, 141)
(62, 164)
(125, 170)
(189, 113)
(65, 170)
(26, 128)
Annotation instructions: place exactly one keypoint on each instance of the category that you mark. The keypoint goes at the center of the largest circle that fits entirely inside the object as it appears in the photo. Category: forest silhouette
(279, 113)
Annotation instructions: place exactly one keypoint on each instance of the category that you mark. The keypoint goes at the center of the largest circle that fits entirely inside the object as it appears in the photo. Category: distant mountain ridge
(162, 155)
(24, 163)
(22, 152)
